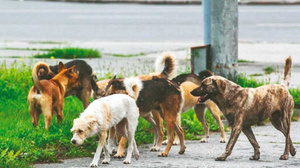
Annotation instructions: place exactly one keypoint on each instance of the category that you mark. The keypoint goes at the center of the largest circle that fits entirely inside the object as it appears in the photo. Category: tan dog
(189, 82)
(47, 96)
(244, 107)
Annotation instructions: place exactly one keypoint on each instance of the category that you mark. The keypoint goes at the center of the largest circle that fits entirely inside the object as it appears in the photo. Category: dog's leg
(101, 143)
(121, 148)
(47, 112)
(60, 115)
(35, 116)
(215, 111)
(159, 123)
(180, 134)
(111, 147)
(121, 129)
(84, 96)
(170, 123)
(156, 131)
(135, 149)
(200, 112)
(249, 133)
(130, 137)
(107, 155)
(235, 132)
(282, 123)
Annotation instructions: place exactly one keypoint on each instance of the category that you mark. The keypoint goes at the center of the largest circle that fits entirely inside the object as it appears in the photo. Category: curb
(182, 2)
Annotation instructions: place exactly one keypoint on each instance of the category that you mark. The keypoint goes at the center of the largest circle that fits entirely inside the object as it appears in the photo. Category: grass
(69, 53)
(22, 145)
(128, 55)
(268, 70)
(245, 61)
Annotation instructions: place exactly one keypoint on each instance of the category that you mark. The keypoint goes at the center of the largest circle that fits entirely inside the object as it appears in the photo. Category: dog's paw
(254, 157)
(155, 148)
(204, 140)
(119, 155)
(222, 141)
(293, 151)
(105, 162)
(284, 157)
(136, 156)
(182, 150)
(163, 154)
(220, 158)
(176, 142)
(126, 161)
(93, 165)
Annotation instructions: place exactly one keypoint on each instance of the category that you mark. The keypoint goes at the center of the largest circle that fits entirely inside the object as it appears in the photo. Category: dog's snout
(73, 141)
(194, 92)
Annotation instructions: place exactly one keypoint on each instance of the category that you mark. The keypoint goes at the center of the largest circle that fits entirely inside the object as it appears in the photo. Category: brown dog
(86, 79)
(161, 95)
(244, 107)
(189, 82)
(47, 96)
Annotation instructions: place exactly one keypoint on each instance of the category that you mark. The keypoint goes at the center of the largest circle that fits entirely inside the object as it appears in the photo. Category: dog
(165, 67)
(87, 80)
(244, 107)
(118, 110)
(47, 96)
(187, 83)
(161, 95)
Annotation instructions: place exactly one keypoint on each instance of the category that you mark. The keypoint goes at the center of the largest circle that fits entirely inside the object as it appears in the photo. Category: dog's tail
(133, 86)
(40, 71)
(166, 65)
(287, 71)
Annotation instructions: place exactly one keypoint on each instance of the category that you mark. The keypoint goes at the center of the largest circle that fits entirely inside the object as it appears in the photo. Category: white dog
(118, 110)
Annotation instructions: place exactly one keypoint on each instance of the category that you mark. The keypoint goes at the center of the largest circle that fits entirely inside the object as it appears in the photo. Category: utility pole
(224, 38)
(206, 4)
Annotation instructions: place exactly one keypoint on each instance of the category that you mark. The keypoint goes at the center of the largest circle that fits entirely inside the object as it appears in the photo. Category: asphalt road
(59, 21)
(199, 154)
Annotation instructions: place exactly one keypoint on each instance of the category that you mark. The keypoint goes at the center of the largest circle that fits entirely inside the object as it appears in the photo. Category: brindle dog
(244, 107)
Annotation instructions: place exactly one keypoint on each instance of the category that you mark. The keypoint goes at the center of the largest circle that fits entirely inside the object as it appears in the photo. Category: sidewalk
(198, 154)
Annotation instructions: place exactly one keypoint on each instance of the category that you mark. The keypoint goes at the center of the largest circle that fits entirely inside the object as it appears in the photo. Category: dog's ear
(61, 66)
(72, 69)
(221, 85)
(91, 121)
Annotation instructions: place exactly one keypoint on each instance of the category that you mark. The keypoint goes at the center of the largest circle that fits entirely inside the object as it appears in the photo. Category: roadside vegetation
(22, 145)
(69, 53)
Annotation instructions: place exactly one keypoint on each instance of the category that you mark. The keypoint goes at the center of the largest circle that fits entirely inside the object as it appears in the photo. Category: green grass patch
(269, 70)
(256, 74)
(70, 53)
(128, 55)
(245, 61)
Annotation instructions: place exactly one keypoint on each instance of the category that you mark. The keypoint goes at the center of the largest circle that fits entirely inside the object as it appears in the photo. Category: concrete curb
(186, 2)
